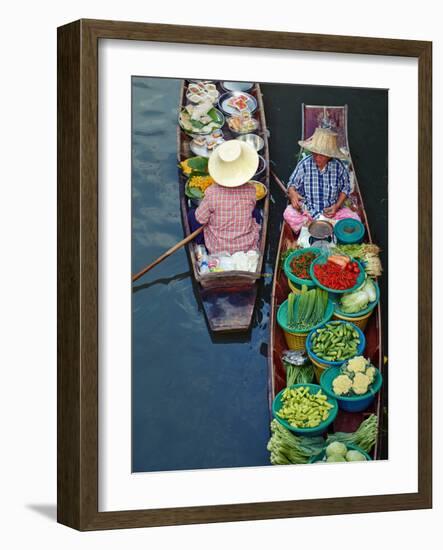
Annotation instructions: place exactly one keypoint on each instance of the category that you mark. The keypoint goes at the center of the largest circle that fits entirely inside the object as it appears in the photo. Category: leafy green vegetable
(307, 309)
(199, 164)
(354, 301)
(364, 437)
(299, 374)
(287, 448)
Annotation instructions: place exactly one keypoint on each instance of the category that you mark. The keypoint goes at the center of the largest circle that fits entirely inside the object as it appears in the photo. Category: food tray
(224, 99)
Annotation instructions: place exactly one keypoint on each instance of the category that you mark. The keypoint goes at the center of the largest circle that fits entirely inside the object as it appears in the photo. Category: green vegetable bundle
(299, 374)
(287, 448)
(364, 437)
(335, 341)
(307, 309)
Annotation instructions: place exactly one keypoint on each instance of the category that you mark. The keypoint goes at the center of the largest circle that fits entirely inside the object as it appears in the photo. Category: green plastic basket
(282, 317)
(317, 430)
(287, 266)
(349, 446)
(360, 278)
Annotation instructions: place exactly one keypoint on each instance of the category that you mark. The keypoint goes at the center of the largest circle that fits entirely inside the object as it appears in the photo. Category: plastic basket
(349, 446)
(321, 428)
(349, 231)
(360, 278)
(321, 365)
(354, 403)
(297, 281)
(296, 339)
(361, 318)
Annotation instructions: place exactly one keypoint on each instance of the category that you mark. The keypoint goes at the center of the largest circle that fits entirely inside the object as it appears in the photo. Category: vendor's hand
(295, 200)
(330, 211)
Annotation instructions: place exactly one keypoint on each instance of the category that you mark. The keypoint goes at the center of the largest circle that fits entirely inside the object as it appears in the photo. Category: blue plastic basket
(321, 428)
(354, 403)
(323, 362)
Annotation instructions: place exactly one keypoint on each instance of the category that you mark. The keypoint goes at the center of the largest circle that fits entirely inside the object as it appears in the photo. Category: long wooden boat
(229, 297)
(336, 118)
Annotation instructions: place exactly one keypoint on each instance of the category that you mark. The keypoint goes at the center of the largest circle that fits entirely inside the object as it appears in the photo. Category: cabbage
(336, 458)
(336, 448)
(354, 301)
(369, 288)
(354, 456)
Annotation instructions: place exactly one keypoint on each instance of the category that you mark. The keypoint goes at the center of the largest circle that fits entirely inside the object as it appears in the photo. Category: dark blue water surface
(200, 401)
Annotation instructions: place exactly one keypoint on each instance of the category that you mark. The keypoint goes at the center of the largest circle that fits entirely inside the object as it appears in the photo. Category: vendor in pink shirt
(227, 210)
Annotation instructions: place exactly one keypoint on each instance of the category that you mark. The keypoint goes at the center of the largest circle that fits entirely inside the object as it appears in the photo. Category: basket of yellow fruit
(260, 190)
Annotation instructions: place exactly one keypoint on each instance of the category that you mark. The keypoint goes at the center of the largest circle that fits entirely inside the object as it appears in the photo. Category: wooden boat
(228, 298)
(336, 118)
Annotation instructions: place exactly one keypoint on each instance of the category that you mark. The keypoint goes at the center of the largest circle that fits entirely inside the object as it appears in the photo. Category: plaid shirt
(320, 189)
(227, 213)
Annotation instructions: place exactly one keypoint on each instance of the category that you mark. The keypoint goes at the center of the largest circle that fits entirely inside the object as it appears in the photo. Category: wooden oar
(167, 253)
(279, 182)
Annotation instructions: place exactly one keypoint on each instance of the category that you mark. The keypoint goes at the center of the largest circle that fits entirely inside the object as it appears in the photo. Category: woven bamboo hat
(324, 142)
(233, 163)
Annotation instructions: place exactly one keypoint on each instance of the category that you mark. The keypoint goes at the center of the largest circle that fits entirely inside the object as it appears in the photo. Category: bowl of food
(297, 266)
(199, 91)
(359, 302)
(256, 141)
(233, 103)
(333, 343)
(354, 385)
(337, 273)
(260, 190)
(243, 123)
(304, 409)
(201, 119)
(337, 451)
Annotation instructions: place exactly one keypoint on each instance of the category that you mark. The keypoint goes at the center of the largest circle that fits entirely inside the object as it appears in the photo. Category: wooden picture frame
(77, 458)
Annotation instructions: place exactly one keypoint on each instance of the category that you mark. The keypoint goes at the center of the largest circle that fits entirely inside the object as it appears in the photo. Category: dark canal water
(200, 401)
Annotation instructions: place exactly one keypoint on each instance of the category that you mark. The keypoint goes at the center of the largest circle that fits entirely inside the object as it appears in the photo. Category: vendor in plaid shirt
(320, 182)
(227, 210)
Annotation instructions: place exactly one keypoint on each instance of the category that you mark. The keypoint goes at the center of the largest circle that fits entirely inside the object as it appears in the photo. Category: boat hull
(228, 298)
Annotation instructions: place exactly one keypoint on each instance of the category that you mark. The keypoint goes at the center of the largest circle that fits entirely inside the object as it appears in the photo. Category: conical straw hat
(233, 163)
(324, 142)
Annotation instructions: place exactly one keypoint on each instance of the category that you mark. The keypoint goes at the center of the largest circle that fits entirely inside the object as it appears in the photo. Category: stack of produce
(356, 377)
(287, 448)
(353, 302)
(368, 253)
(196, 168)
(335, 341)
(303, 409)
(365, 437)
(337, 273)
(339, 452)
(307, 309)
(299, 369)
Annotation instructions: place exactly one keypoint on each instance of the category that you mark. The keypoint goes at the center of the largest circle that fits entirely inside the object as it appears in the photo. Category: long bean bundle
(286, 448)
(364, 437)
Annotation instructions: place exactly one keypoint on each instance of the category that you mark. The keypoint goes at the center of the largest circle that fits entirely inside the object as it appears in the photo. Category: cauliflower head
(360, 383)
(357, 364)
(341, 384)
(370, 373)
